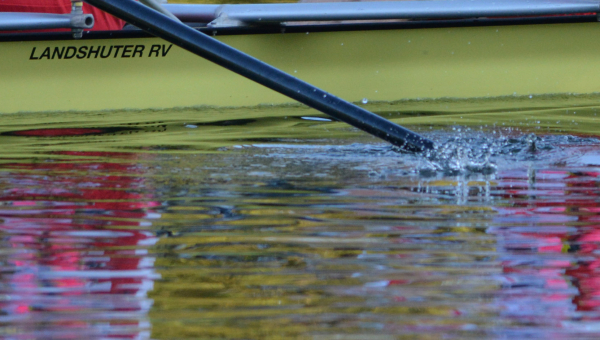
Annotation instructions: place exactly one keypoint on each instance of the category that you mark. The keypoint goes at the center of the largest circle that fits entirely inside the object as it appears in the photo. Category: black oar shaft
(211, 49)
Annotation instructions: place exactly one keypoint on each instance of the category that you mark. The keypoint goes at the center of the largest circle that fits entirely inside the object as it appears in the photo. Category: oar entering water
(213, 50)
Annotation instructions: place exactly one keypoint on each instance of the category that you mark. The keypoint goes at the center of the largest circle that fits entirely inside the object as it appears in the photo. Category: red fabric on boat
(104, 21)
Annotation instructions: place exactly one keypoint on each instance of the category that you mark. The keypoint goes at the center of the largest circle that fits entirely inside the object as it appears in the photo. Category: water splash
(481, 154)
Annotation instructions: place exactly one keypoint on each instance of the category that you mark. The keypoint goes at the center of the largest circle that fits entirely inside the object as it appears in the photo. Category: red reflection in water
(547, 228)
(58, 132)
(554, 219)
(75, 248)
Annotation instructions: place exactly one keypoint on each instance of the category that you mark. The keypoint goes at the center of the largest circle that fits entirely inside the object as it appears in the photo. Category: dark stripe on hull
(274, 29)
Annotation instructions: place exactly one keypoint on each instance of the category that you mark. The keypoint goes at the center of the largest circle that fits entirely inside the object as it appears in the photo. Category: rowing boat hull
(41, 75)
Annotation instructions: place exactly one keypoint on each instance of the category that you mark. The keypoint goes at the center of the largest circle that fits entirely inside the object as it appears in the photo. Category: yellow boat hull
(376, 65)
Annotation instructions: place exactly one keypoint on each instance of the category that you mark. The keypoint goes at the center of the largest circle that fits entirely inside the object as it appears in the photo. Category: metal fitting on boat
(79, 20)
(222, 19)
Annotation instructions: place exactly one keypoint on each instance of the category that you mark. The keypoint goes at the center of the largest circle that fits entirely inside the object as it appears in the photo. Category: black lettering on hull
(117, 49)
(104, 56)
(70, 52)
(165, 52)
(94, 52)
(155, 49)
(58, 52)
(127, 51)
(32, 56)
(139, 49)
(102, 52)
(82, 52)
(46, 53)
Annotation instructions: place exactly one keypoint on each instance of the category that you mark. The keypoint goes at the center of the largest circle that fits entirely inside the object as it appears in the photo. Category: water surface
(266, 223)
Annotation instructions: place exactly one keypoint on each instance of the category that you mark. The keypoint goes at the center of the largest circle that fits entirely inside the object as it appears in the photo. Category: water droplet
(530, 96)
(365, 100)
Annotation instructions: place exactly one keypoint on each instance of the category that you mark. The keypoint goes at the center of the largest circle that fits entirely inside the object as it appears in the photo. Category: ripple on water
(483, 237)
(351, 239)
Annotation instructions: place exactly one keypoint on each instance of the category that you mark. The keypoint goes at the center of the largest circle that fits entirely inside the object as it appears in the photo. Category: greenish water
(272, 222)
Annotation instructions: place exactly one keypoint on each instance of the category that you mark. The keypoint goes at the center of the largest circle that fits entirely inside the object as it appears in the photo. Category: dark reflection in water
(304, 239)
(74, 260)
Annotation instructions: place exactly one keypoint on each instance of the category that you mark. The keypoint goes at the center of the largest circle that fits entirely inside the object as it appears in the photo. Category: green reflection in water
(272, 226)
(205, 128)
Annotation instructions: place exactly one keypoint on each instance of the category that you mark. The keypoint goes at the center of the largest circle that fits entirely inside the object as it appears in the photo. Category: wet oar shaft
(262, 73)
